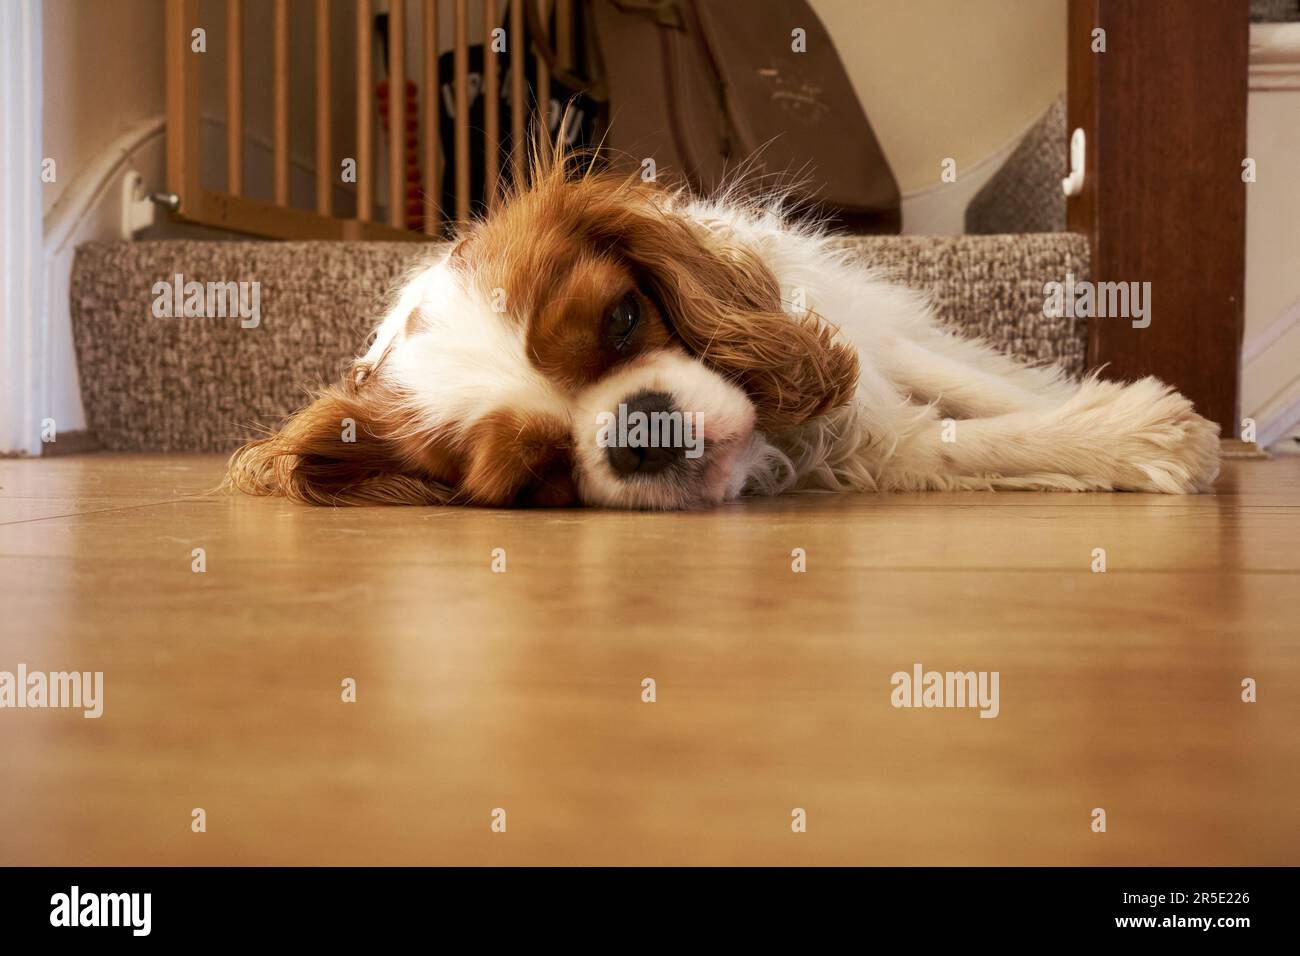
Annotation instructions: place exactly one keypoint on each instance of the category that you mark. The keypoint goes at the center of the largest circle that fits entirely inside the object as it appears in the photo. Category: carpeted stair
(1274, 11)
(197, 384)
(1025, 194)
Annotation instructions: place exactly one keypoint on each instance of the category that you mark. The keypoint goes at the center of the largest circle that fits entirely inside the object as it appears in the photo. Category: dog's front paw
(1164, 446)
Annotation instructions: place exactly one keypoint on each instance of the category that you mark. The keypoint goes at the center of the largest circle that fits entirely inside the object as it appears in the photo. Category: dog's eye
(622, 322)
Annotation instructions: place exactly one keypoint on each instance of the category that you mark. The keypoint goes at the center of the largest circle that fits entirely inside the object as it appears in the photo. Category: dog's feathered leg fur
(965, 417)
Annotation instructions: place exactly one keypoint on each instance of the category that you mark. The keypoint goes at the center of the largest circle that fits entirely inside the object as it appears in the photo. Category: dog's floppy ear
(725, 306)
(347, 447)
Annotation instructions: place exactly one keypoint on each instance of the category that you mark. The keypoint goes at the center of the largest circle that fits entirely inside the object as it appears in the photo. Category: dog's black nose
(643, 414)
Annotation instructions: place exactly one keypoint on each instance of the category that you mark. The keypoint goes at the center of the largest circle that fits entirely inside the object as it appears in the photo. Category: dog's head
(586, 343)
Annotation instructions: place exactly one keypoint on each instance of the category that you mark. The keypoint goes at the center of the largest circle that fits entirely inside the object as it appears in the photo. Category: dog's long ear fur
(725, 306)
(721, 300)
(308, 460)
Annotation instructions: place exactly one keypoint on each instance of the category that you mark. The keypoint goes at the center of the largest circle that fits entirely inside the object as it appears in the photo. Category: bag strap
(727, 131)
(593, 86)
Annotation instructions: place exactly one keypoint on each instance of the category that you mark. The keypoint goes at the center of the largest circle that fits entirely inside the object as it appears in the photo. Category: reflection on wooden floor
(523, 690)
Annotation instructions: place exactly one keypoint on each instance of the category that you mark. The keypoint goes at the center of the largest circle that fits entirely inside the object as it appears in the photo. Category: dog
(748, 350)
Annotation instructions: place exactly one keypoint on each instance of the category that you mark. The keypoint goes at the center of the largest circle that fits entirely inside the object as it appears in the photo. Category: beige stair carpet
(153, 383)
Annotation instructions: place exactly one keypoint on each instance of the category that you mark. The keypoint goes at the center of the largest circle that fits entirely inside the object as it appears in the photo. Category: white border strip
(24, 332)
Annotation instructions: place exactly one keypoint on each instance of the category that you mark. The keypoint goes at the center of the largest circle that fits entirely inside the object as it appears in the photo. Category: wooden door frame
(1163, 109)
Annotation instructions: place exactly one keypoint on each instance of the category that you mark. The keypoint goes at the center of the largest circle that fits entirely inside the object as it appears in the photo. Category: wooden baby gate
(194, 201)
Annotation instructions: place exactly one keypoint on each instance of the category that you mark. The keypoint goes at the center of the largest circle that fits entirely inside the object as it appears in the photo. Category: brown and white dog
(587, 297)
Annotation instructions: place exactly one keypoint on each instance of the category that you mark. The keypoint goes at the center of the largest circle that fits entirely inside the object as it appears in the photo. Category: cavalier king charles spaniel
(600, 340)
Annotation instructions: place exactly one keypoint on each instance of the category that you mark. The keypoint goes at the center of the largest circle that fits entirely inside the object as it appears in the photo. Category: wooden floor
(479, 690)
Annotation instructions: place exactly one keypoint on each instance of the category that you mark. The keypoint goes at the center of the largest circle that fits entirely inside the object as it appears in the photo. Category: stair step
(199, 384)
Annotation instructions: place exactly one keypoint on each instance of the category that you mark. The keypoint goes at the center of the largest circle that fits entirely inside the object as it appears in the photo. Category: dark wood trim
(252, 216)
(1164, 111)
(79, 441)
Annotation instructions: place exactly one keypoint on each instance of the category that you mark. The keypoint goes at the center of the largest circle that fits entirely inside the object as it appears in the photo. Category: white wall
(103, 71)
(1270, 387)
(948, 78)
(102, 77)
